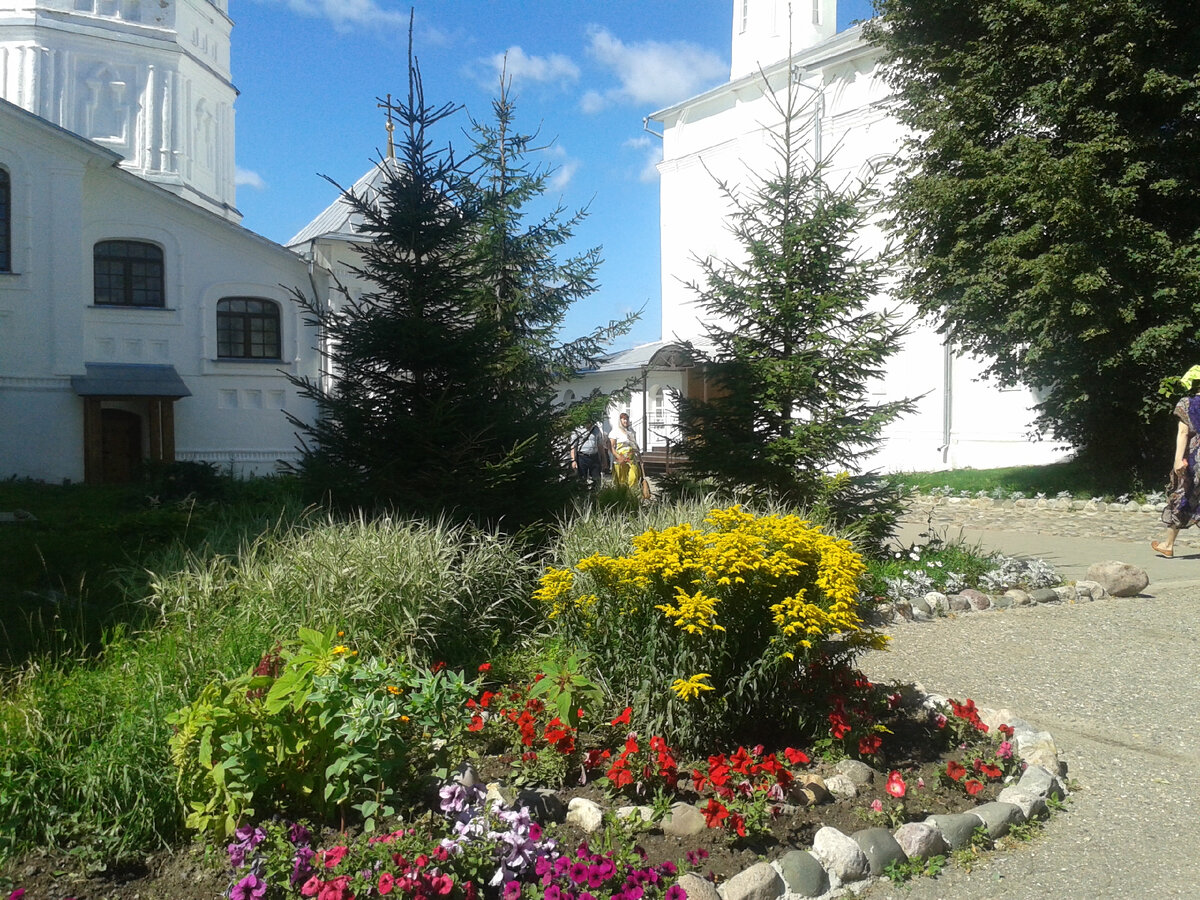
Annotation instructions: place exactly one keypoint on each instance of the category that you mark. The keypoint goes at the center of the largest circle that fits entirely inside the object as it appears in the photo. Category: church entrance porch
(128, 417)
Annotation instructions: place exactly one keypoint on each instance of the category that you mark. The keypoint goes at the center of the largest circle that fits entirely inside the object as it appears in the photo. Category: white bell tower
(760, 30)
(148, 79)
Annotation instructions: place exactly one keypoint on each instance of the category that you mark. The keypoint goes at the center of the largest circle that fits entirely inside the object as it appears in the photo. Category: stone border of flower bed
(935, 603)
(1131, 506)
(836, 859)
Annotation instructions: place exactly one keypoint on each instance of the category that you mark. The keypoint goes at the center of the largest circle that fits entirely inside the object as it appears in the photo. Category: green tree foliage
(1050, 204)
(440, 402)
(791, 342)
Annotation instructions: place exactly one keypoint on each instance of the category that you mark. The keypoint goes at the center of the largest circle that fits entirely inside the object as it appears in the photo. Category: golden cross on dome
(391, 126)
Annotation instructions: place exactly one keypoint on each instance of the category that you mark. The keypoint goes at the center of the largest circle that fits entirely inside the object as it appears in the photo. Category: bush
(706, 632)
(314, 730)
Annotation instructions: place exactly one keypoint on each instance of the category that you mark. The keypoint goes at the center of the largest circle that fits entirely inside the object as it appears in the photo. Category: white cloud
(346, 14)
(523, 68)
(247, 178)
(564, 168)
(651, 73)
(651, 154)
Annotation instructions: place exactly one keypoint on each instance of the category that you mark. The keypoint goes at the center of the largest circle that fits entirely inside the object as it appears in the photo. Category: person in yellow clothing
(627, 471)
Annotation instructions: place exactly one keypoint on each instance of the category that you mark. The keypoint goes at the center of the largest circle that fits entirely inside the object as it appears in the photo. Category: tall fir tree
(791, 342)
(441, 376)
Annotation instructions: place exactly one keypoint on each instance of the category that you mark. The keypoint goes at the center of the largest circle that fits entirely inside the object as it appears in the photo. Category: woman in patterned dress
(1183, 492)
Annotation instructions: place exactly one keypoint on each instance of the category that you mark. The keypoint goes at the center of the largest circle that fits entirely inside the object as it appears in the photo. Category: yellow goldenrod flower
(340, 648)
(686, 690)
(392, 689)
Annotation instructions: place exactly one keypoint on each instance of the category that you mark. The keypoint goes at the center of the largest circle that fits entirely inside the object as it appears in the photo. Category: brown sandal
(1161, 551)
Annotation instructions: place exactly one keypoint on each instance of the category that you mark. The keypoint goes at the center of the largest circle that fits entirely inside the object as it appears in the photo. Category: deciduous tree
(1050, 202)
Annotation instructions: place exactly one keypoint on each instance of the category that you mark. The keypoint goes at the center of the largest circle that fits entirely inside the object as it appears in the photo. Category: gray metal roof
(655, 355)
(339, 220)
(129, 380)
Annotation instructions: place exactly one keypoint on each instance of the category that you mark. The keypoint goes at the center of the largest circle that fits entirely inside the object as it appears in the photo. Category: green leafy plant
(313, 730)
(566, 689)
(900, 871)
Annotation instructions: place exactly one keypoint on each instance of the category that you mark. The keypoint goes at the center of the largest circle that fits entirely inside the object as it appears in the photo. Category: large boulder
(1118, 578)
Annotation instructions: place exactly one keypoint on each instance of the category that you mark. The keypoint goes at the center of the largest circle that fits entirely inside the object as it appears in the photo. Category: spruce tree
(441, 393)
(791, 343)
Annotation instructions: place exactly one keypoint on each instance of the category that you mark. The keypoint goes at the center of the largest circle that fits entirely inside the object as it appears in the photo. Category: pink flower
(877, 805)
(1005, 750)
(941, 720)
(386, 882)
(311, 887)
(895, 784)
(333, 856)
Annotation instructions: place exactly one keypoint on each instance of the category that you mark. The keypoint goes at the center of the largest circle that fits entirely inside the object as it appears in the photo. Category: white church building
(721, 134)
(138, 320)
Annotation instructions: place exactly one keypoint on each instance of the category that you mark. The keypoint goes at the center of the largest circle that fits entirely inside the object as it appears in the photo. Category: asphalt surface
(1117, 683)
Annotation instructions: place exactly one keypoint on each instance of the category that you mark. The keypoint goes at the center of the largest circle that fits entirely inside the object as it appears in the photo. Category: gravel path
(1115, 682)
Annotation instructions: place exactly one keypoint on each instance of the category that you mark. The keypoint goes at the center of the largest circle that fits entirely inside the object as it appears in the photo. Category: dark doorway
(121, 445)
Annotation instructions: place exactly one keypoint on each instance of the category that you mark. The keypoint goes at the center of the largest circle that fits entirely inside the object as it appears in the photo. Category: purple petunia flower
(249, 888)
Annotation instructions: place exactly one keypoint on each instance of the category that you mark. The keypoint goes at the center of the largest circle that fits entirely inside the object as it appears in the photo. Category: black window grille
(128, 273)
(247, 328)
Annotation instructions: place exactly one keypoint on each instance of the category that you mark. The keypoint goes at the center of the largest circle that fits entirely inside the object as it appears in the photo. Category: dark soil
(194, 873)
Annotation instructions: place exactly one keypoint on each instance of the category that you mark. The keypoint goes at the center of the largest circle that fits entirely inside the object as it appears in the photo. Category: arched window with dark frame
(128, 273)
(5, 221)
(248, 328)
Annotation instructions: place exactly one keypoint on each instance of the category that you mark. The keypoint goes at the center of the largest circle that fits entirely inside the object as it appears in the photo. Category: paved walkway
(1115, 681)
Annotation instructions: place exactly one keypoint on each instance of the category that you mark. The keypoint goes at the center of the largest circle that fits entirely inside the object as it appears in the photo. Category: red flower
(386, 882)
(838, 726)
(740, 761)
(333, 856)
(1006, 730)
(486, 698)
(623, 718)
(796, 757)
(869, 745)
(437, 667)
(988, 769)
(476, 723)
(698, 780)
(955, 770)
(715, 813)
(895, 784)
(973, 787)
(485, 667)
(738, 821)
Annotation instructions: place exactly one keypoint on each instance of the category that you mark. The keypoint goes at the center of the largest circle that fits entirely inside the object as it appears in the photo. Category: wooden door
(121, 445)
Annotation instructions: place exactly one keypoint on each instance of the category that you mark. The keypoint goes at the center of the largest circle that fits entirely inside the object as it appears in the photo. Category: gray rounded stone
(959, 603)
(698, 888)
(1004, 602)
(856, 771)
(1041, 782)
(956, 828)
(841, 787)
(920, 604)
(759, 882)
(920, 840)
(544, 805)
(1118, 578)
(805, 877)
(1032, 806)
(1043, 595)
(881, 848)
(840, 855)
(998, 817)
(684, 820)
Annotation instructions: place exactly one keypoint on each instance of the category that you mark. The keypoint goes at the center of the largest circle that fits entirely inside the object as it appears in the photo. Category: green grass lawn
(1077, 478)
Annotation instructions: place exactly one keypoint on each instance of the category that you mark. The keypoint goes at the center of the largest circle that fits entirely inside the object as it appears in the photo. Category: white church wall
(959, 419)
(66, 197)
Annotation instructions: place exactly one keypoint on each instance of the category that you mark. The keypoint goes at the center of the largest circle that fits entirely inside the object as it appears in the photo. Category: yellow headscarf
(1190, 377)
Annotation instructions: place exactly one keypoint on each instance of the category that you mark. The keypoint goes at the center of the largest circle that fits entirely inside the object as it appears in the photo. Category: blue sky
(586, 72)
